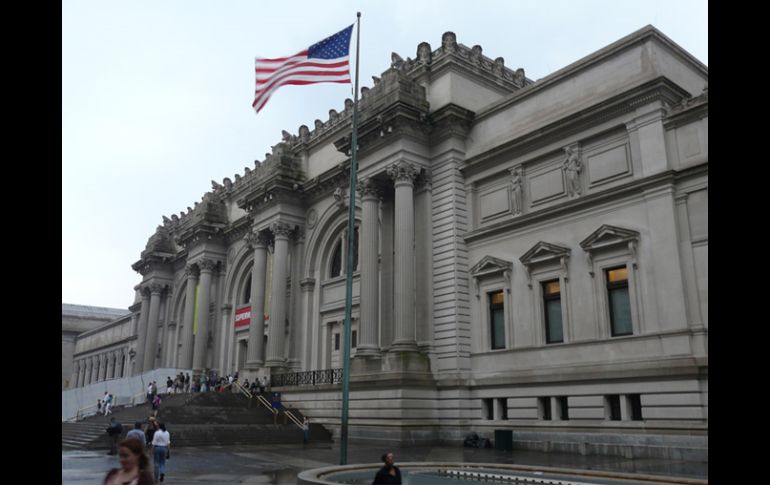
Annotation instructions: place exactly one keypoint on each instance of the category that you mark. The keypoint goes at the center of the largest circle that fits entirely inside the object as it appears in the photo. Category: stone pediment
(544, 252)
(490, 265)
(609, 236)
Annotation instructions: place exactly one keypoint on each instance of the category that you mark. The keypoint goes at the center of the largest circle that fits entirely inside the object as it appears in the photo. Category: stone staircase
(198, 419)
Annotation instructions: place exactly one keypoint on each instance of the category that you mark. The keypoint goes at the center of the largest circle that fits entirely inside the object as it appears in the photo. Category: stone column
(403, 175)
(87, 373)
(81, 373)
(186, 352)
(255, 357)
(369, 328)
(202, 331)
(102, 367)
(73, 381)
(151, 347)
(110, 366)
(295, 329)
(120, 364)
(141, 332)
(277, 328)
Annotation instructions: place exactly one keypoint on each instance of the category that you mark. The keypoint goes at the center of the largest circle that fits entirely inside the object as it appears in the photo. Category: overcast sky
(156, 95)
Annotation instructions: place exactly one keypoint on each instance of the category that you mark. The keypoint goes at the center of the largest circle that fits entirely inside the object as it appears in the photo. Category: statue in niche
(516, 191)
(572, 168)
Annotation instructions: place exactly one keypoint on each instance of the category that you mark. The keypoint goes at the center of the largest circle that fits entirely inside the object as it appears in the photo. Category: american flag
(323, 62)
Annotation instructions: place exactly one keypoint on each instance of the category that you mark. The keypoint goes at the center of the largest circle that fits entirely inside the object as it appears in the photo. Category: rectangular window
(552, 311)
(488, 410)
(353, 339)
(619, 301)
(613, 406)
(635, 400)
(563, 407)
(497, 319)
(544, 403)
(502, 403)
(336, 341)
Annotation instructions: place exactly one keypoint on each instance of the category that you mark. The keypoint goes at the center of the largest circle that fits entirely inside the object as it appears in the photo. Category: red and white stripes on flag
(298, 70)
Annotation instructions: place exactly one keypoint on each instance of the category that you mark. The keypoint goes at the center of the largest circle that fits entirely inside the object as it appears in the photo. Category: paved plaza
(279, 464)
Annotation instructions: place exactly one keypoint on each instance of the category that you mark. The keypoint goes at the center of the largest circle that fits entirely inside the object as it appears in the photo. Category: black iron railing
(309, 378)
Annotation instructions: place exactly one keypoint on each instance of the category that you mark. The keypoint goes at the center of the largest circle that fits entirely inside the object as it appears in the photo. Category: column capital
(402, 172)
(369, 189)
(281, 229)
(192, 271)
(156, 288)
(207, 265)
(256, 240)
(299, 236)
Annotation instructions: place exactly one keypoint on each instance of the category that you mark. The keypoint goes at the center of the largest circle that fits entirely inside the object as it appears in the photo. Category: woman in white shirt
(161, 441)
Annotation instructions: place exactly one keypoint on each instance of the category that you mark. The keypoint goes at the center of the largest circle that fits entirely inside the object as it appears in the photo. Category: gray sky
(156, 95)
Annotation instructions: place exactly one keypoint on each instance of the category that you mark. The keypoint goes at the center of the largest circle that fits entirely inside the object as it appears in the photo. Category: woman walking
(134, 466)
(161, 441)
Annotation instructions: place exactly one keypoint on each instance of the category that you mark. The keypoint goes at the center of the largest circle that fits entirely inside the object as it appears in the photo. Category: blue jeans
(159, 460)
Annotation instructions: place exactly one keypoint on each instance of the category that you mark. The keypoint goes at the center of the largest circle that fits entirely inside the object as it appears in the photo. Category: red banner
(243, 317)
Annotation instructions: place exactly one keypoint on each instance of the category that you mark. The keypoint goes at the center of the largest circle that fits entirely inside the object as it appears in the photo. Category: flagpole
(349, 264)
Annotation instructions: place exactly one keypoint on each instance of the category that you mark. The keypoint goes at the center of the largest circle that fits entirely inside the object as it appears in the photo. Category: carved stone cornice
(281, 229)
(610, 237)
(491, 266)
(450, 120)
(299, 236)
(256, 240)
(544, 253)
(153, 262)
(402, 172)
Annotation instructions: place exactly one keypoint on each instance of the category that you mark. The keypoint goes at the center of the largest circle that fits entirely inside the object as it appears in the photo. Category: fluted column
(255, 357)
(81, 373)
(110, 366)
(119, 364)
(295, 328)
(87, 374)
(141, 331)
(73, 381)
(186, 356)
(370, 278)
(403, 175)
(151, 347)
(277, 328)
(102, 367)
(207, 267)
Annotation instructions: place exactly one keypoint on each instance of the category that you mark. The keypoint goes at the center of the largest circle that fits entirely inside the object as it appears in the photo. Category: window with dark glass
(247, 292)
(488, 408)
(552, 310)
(619, 302)
(353, 339)
(613, 402)
(497, 319)
(544, 403)
(563, 407)
(355, 250)
(336, 267)
(336, 341)
(503, 403)
(635, 400)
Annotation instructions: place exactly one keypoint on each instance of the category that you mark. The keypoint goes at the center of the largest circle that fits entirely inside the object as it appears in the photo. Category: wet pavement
(279, 464)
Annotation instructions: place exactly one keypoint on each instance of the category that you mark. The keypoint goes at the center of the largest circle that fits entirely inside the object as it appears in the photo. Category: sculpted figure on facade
(449, 42)
(304, 133)
(424, 53)
(339, 197)
(516, 191)
(572, 168)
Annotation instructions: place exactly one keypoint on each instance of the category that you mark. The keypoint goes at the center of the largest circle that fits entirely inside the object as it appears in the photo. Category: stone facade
(480, 191)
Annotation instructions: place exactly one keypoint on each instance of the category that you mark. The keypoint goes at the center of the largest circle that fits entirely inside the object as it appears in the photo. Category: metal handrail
(243, 390)
(293, 418)
(266, 403)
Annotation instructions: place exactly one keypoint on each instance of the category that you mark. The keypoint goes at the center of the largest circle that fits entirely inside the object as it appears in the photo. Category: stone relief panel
(607, 159)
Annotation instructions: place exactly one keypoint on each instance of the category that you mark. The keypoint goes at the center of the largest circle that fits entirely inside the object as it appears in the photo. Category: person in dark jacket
(113, 431)
(389, 474)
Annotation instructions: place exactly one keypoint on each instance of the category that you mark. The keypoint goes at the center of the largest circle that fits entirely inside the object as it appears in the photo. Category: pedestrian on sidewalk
(134, 466)
(137, 433)
(149, 433)
(113, 431)
(306, 431)
(107, 403)
(156, 404)
(187, 382)
(161, 443)
(389, 473)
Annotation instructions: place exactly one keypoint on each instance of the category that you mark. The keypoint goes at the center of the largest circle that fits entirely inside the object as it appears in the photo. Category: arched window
(247, 292)
(336, 267)
(339, 255)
